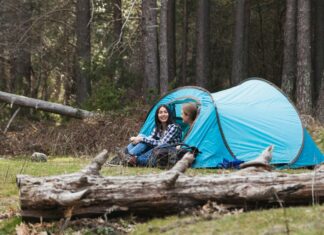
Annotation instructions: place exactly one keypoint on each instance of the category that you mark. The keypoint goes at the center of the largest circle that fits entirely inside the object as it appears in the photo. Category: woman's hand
(136, 140)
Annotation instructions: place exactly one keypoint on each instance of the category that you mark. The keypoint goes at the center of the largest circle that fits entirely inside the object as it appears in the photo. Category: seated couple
(165, 133)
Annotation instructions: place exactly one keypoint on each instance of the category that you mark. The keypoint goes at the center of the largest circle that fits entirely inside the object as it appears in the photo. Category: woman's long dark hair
(157, 121)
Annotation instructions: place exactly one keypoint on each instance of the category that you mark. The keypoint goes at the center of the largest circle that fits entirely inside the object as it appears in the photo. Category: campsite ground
(203, 220)
(85, 139)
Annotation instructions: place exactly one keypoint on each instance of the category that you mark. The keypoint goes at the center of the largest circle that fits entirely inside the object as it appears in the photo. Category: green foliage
(106, 96)
(113, 84)
(9, 226)
(105, 231)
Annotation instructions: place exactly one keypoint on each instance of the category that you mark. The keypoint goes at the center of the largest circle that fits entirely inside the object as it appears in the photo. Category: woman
(165, 132)
(165, 156)
(188, 114)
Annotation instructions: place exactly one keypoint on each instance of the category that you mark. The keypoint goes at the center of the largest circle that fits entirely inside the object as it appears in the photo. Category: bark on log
(87, 194)
(44, 105)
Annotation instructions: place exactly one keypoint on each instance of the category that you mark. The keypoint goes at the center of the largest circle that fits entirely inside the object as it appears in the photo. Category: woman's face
(185, 117)
(163, 115)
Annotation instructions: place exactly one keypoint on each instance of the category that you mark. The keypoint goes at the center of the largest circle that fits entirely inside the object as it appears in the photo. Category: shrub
(106, 96)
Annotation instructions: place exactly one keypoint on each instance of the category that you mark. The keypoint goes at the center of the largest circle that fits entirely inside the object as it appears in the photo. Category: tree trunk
(261, 44)
(320, 103)
(164, 57)
(87, 193)
(184, 44)
(277, 43)
(319, 60)
(150, 46)
(171, 21)
(44, 105)
(3, 64)
(289, 63)
(304, 68)
(118, 48)
(202, 60)
(83, 51)
(118, 23)
(240, 41)
(167, 45)
(20, 23)
(247, 13)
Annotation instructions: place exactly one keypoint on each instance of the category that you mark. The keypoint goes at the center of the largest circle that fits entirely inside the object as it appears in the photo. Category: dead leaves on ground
(75, 227)
(209, 211)
(7, 214)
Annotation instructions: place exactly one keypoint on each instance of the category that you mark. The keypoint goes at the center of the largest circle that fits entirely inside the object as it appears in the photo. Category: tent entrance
(176, 109)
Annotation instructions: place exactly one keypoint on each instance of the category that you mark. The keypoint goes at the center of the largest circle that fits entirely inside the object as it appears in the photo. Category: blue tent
(240, 122)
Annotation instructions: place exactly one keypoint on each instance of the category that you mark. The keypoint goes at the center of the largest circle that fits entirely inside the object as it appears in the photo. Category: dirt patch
(75, 137)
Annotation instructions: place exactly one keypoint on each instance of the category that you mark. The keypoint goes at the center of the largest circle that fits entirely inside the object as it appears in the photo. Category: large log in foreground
(87, 193)
(44, 105)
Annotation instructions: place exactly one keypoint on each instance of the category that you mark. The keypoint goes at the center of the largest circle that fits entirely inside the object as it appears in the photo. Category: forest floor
(73, 137)
(71, 144)
(87, 137)
(210, 218)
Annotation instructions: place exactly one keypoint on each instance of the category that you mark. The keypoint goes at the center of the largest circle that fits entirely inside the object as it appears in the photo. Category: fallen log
(44, 105)
(87, 193)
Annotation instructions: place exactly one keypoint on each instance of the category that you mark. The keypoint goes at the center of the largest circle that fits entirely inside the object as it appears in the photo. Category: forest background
(111, 54)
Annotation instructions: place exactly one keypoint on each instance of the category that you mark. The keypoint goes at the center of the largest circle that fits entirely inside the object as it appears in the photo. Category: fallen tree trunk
(44, 105)
(86, 193)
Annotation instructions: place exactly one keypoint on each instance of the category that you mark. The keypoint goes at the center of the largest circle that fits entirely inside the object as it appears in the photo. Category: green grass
(302, 220)
(8, 227)
(9, 168)
(298, 220)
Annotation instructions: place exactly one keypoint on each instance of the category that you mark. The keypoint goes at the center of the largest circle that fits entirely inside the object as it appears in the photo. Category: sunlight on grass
(298, 220)
(10, 168)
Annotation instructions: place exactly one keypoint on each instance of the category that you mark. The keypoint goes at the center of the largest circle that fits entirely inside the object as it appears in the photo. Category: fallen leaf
(22, 229)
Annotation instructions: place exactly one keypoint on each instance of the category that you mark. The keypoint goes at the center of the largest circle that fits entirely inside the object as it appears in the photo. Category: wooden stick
(11, 119)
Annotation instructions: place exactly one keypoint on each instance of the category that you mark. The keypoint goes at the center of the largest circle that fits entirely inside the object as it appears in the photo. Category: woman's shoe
(131, 161)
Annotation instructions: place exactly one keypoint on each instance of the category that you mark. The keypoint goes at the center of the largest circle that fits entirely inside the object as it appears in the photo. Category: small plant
(10, 225)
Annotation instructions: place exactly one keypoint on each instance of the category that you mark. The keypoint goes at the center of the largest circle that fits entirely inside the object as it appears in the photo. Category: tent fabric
(264, 115)
(238, 123)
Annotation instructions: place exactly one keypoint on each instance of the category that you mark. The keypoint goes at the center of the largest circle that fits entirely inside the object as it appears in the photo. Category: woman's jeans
(142, 151)
(137, 149)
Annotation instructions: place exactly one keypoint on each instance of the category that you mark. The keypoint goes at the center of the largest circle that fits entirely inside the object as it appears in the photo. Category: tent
(240, 122)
